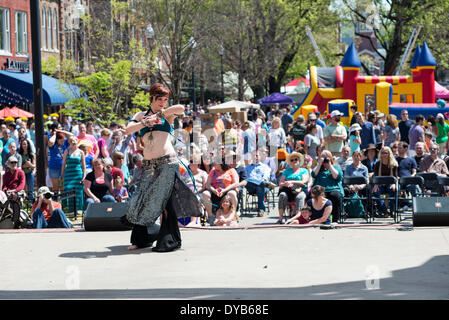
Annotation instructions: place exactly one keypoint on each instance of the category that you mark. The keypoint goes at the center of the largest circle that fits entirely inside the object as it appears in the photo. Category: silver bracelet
(146, 122)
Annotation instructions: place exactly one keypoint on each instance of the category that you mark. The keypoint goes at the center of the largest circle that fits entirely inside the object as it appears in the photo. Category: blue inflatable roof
(426, 58)
(351, 58)
(415, 57)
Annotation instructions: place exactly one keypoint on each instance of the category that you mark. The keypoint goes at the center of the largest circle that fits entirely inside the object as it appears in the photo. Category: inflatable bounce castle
(340, 87)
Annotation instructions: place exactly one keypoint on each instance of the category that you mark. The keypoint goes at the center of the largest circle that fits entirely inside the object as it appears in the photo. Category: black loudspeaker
(430, 211)
(105, 216)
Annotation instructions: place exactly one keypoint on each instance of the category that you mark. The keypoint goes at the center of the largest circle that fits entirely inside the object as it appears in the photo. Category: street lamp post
(193, 44)
(78, 12)
(37, 91)
(221, 52)
(149, 34)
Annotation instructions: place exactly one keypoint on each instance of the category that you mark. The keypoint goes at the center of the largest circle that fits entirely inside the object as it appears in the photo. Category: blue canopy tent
(276, 98)
(17, 88)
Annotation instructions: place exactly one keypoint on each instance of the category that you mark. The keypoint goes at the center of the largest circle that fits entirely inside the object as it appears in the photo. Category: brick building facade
(15, 27)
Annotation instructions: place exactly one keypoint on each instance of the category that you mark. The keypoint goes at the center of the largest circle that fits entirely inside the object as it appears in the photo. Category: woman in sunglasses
(386, 166)
(330, 176)
(293, 184)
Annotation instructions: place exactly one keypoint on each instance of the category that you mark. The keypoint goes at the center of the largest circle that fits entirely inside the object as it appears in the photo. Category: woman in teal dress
(74, 172)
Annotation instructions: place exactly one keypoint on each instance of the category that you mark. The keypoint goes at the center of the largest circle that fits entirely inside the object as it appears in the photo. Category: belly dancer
(161, 190)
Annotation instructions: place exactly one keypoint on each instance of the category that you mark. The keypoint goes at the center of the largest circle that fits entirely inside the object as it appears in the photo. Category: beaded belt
(152, 163)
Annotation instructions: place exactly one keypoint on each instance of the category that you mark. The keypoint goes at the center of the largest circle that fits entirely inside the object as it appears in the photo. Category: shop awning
(17, 88)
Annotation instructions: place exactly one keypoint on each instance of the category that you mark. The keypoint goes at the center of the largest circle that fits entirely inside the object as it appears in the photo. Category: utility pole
(37, 91)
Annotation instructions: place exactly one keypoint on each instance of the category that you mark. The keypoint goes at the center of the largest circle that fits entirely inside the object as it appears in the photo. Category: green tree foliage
(176, 38)
(393, 21)
(266, 42)
(111, 91)
(50, 66)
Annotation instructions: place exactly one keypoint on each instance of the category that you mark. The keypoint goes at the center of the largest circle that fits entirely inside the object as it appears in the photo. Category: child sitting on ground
(120, 192)
(226, 215)
(301, 218)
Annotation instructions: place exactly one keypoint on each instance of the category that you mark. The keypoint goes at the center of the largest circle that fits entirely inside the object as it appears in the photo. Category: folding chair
(431, 186)
(385, 180)
(354, 180)
(251, 202)
(405, 195)
(443, 181)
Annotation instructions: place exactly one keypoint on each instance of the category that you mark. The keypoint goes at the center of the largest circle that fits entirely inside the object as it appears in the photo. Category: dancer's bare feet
(133, 247)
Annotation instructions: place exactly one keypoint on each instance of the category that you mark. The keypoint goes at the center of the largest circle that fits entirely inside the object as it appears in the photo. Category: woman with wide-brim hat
(370, 160)
(293, 184)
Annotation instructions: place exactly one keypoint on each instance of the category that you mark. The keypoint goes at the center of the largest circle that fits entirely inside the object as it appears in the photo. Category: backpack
(354, 206)
(12, 216)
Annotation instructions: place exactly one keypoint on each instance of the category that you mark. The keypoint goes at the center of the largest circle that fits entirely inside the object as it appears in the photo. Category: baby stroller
(11, 214)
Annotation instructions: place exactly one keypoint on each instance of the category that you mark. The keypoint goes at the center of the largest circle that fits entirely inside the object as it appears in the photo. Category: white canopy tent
(233, 106)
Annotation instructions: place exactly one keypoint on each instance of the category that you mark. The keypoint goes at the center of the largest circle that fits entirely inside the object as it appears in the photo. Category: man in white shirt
(258, 174)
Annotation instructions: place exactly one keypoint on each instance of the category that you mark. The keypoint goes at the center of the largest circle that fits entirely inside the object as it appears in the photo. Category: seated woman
(357, 169)
(98, 184)
(226, 215)
(293, 184)
(321, 207)
(223, 180)
(330, 176)
(386, 166)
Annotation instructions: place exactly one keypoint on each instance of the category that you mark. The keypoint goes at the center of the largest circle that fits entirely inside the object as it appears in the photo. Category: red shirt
(45, 208)
(14, 181)
(301, 220)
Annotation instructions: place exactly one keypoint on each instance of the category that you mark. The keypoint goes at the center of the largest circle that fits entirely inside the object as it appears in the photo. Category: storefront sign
(23, 66)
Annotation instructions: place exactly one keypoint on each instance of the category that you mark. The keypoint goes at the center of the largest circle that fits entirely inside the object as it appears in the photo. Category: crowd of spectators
(303, 159)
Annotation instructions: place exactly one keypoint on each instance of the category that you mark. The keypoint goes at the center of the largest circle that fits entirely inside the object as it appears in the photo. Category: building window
(49, 30)
(5, 38)
(21, 32)
(55, 30)
(44, 29)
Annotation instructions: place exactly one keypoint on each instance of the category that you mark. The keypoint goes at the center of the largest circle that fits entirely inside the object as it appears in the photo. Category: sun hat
(12, 159)
(297, 155)
(336, 113)
(370, 146)
(379, 114)
(44, 190)
(355, 127)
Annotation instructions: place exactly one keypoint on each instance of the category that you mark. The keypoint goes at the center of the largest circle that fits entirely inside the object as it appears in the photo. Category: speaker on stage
(105, 216)
(430, 211)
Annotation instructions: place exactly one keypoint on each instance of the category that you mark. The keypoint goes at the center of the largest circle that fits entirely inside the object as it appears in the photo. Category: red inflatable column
(428, 84)
(350, 83)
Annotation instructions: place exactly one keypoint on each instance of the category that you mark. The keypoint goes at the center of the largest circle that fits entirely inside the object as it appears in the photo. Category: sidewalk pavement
(264, 262)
